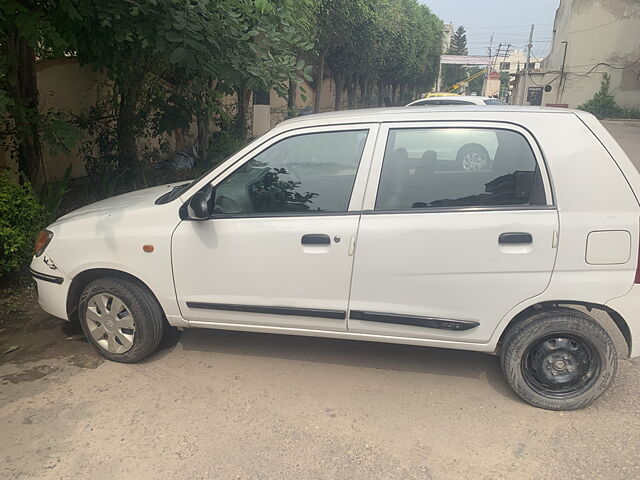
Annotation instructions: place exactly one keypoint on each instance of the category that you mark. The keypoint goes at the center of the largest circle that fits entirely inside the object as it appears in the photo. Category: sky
(509, 21)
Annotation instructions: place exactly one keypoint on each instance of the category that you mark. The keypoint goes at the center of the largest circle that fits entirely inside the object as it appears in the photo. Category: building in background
(590, 38)
(447, 34)
(515, 61)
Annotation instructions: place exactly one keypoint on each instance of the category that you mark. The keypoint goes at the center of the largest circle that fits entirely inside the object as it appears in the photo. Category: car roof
(415, 113)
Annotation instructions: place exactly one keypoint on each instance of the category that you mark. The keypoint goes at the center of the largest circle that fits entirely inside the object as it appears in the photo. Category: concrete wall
(600, 35)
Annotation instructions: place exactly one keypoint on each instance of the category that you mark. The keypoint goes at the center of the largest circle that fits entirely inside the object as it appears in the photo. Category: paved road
(225, 405)
(627, 133)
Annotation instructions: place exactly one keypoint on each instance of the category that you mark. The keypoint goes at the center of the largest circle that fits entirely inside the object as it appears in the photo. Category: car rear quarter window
(458, 167)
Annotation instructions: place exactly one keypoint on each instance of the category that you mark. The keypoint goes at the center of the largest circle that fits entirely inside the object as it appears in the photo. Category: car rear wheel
(559, 359)
(121, 318)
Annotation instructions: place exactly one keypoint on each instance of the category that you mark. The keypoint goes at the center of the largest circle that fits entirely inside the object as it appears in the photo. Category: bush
(21, 217)
(603, 103)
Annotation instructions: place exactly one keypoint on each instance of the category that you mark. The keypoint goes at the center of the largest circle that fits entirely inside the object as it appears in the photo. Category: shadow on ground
(349, 353)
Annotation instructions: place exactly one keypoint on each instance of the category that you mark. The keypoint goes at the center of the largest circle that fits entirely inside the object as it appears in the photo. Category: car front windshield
(179, 189)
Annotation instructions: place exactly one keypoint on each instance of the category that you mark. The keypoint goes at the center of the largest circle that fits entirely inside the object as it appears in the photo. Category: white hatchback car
(330, 225)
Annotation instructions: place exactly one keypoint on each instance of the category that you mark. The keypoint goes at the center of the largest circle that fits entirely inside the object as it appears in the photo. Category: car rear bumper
(628, 306)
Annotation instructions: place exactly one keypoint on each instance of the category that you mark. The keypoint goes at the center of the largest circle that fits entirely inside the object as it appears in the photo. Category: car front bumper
(52, 284)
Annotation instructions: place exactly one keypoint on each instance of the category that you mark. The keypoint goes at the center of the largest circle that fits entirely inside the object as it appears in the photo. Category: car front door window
(309, 173)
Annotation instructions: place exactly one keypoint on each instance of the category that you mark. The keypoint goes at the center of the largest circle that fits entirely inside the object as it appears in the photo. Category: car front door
(277, 251)
(444, 254)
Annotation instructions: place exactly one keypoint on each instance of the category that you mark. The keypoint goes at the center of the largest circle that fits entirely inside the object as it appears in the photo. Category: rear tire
(559, 359)
(121, 318)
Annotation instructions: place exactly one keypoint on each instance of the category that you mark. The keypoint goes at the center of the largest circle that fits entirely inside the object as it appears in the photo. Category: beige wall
(64, 84)
(596, 31)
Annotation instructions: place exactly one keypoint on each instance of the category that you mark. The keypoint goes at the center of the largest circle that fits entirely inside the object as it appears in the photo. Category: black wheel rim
(561, 365)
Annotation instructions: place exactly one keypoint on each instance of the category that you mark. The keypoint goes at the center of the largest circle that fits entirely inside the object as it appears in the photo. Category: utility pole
(486, 76)
(526, 73)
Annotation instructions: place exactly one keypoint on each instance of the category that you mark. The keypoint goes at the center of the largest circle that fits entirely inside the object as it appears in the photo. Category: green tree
(30, 30)
(452, 74)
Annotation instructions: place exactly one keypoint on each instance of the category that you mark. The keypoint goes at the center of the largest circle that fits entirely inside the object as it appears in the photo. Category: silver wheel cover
(110, 323)
(473, 161)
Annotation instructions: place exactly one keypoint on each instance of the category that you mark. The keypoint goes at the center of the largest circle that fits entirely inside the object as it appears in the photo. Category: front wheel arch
(85, 277)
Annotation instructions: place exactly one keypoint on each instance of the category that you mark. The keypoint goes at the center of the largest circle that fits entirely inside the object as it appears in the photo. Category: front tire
(121, 318)
(473, 157)
(559, 359)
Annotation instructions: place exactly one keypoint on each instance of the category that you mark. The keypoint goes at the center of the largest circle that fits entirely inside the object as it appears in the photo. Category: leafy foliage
(52, 194)
(21, 218)
(30, 30)
(603, 104)
(388, 43)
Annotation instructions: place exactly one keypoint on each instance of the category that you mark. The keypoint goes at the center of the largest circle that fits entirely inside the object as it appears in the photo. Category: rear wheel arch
(81, 280)
(615, 317)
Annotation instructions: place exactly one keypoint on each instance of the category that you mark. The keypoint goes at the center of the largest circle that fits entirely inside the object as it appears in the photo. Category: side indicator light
(148, 248)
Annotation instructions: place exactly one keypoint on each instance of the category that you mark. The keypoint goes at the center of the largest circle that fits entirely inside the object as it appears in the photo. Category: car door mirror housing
(198, 207)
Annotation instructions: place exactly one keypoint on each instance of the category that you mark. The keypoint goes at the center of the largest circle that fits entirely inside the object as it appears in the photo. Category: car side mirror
(198, 208)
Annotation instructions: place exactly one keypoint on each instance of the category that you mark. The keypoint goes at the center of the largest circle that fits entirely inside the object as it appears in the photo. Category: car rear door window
(307, 173)
(458, 167)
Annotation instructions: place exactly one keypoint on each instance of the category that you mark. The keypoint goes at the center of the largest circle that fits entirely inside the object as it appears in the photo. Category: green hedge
(21, 217)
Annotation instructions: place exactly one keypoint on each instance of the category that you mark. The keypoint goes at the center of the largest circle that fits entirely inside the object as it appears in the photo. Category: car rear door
(277, 252)
(445, 254)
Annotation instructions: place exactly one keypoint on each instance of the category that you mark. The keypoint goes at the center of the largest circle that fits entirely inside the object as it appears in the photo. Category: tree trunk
(244, 95)
(203, 123)
(351, 92)
(203, 134)
(394, 91)
(339, 81)
(291, 98)
(319, 81)
(381, 93)
(21, 84)
(364, 94)
(401, 99)
(129, 92)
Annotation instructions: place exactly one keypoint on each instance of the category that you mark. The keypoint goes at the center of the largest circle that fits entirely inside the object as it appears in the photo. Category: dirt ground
(225, 405)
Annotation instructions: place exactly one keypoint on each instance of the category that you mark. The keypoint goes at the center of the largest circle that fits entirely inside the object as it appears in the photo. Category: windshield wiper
(172, 194)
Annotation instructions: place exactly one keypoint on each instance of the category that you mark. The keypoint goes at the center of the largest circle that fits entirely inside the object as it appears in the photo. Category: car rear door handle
(316, 239)
(515, 237)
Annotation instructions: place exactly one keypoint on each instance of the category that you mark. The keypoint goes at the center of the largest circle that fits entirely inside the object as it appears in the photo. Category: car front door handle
(511, 238)
(316, 239)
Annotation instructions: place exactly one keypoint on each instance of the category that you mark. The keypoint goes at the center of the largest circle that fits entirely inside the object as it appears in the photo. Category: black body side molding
(416, 321)
(293, 311)
(45, 277)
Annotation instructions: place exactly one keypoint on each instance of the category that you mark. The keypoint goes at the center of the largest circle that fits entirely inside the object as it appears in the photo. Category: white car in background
(449, 100)
(478, 151)
(339, 225)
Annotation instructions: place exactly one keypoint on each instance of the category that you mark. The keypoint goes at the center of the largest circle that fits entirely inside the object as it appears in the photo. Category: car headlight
(42, 240)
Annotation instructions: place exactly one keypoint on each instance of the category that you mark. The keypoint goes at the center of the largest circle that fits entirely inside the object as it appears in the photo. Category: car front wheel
(473, 157)
(559, 359)
(121, 318)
